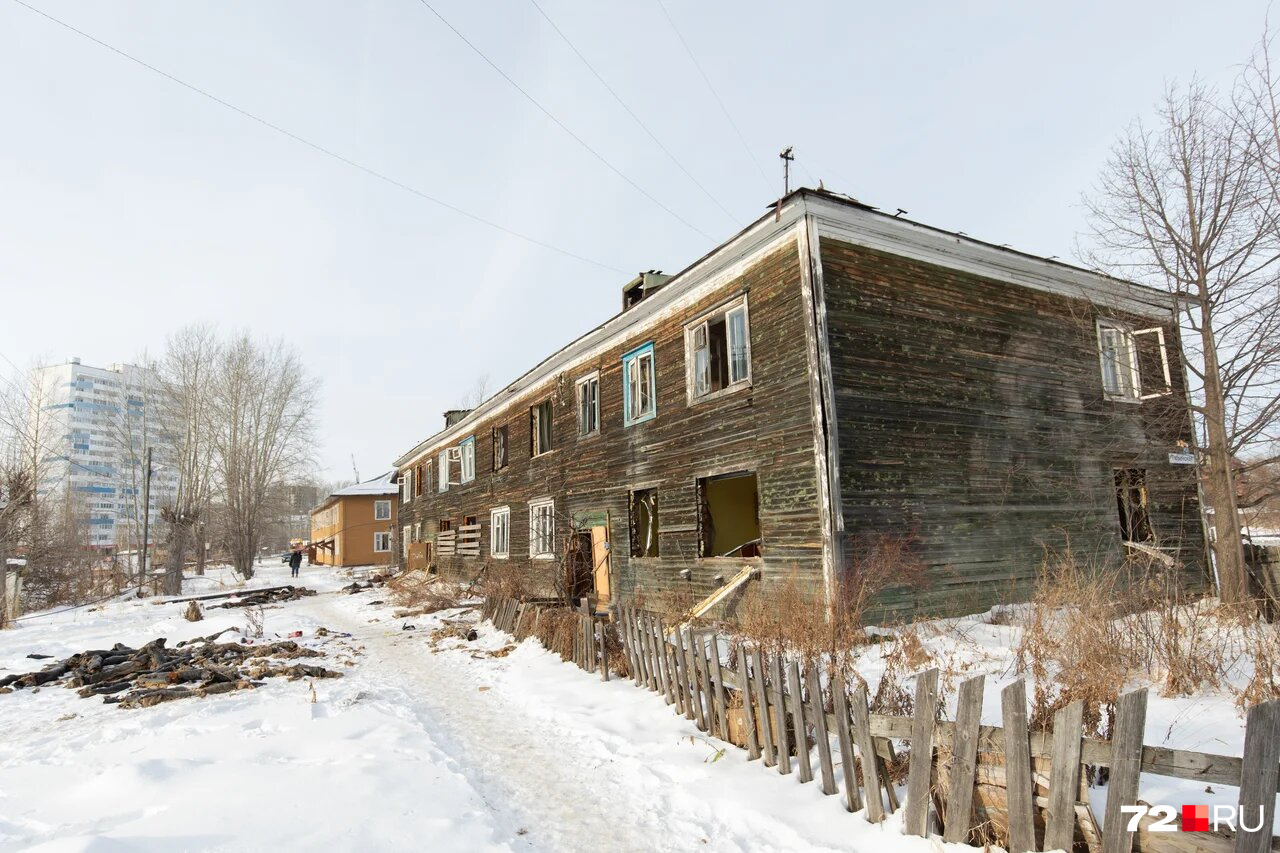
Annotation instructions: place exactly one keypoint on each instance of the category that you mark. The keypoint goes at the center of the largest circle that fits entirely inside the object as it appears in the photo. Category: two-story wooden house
(829, 375)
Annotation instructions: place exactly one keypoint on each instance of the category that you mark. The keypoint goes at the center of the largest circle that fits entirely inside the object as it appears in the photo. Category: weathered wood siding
(766, 428)
(972, 422)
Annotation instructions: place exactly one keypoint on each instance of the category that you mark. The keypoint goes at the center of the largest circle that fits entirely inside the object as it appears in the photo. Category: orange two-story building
(355, 526)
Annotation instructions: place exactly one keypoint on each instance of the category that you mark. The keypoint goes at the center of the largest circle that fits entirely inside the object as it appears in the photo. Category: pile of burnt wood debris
(271, 595)
(140, 678)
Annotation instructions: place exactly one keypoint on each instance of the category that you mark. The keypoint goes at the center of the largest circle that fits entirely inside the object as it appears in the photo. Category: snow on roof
(383, 485)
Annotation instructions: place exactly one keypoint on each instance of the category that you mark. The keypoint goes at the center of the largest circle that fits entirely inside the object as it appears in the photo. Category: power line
(630, 112)
(320, 148)
(578, 139)
(714, 94)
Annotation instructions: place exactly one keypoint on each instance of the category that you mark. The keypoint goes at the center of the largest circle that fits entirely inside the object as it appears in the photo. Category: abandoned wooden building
(829, 380)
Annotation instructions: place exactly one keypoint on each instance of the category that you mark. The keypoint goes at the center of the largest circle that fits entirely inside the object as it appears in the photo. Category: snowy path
(450, 750)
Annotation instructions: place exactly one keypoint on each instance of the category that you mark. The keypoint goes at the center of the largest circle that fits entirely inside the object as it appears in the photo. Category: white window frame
(536, 536)
(404, 545)
(590, 381)
(699, 328)
(378, 514)
(442, 470)
(632, 370)
(467, 460)
(386, 540)
(502, 513)
(403, 482)
(1129, 373)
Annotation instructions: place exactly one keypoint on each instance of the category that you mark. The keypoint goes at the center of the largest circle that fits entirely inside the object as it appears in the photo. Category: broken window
(419, 474)
(588, 389)
(540, 428)
(381, 542)
(405, 486)
(644, 523)
(640, 389)
(542, 528)
(500, 532)
(1131, 500)
(499, 447)
(718, 350)
(443, 525)
(729, 516)
(467, 458)
(1135, 365)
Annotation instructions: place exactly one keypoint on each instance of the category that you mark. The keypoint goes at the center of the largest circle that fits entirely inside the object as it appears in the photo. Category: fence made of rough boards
(1024, 790)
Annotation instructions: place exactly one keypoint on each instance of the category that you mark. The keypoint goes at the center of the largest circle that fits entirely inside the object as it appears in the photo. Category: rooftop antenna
(787, 157)
(354, 469)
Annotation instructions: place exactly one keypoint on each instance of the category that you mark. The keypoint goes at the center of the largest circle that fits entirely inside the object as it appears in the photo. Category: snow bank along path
(448, 750)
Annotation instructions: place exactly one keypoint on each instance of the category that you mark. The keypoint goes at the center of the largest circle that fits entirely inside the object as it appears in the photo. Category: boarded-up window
(1131, 501)
(729, 516)
(644, 523)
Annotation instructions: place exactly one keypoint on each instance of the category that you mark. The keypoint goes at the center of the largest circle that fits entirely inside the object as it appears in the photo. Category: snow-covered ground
(447, 748)
(413, 749)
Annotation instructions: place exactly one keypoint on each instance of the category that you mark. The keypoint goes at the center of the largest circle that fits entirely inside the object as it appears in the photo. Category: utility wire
(320, 148)
(630, 112)
(715, 94)
(558, 122)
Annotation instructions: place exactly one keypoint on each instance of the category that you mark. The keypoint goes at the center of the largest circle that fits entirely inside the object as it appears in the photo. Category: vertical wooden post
(964, 761)
(916, 820)
(848, 764)
(649, 645)
(604, 648)
(695, 681)
(1017, 768)
(867, 753)
(818, 714)
(718, 695)
(662, 662)
(762, 704)
(1259, 779)
(1064, 778)
(780, 714)
(685, 702)
(1126, 767)
(748, 713)
(802, 725)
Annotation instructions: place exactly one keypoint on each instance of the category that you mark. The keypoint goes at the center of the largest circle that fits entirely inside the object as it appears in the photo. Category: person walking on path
(295, 560)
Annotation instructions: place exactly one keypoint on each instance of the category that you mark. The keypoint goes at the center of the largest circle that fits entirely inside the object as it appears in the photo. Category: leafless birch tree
(263, 434)
(1187, 204)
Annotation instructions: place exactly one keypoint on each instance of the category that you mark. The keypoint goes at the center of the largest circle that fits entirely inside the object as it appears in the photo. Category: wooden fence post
(1064, 778)
(964, 761)
(665, 677)
(1126, 767)
(682, 674)
(762, 702)
(867, 754)
(848, 764)
(1259, 777)
(818, 713)
(780, 714)
(916, 820)
(800, 716)
(748, 713)
(701, 685)
(718, 694)
(1017, 768)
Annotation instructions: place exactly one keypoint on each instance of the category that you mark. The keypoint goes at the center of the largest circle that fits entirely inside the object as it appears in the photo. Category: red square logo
(1195, 818)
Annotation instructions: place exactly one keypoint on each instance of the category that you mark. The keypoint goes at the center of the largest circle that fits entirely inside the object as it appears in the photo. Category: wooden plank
(867, 753)
(662, 661)
(916, 820)
(601, 630)
(848, 762)
(695, 664)
(1259, 779)
(1126, 767)
(1064, 778)
(649, 642)
(964, 761)
(748, 712)
(801, 723)
(717, 686)
(780, 715)
(1017, 768)
(886, 758)
(818, 716)
(685, 701)
(641, 666)
(762, 704)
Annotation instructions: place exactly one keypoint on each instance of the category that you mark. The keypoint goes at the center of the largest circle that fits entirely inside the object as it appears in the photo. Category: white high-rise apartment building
(95, 423)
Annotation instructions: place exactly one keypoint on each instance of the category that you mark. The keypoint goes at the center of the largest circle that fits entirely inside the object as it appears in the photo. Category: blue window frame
(639, 386)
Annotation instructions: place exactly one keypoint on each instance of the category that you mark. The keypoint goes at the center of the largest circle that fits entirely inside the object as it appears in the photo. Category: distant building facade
(355, 526)
(93, 426)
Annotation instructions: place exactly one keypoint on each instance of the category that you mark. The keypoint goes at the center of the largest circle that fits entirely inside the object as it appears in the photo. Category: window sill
(544, 453)
(500, 556)
(542, 556)
(638, 421)
(723, 392)
(1121, 398)
(727, 560)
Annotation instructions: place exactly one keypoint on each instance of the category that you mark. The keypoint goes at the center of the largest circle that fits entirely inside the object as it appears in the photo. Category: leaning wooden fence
(1025, 790)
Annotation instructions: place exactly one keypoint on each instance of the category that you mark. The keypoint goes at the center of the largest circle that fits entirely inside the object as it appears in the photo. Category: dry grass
(418, 592)
(1262, 650)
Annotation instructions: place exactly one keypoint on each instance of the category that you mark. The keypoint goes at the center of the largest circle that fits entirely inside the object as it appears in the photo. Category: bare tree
(1185, 204)
(476, 394)
(263, 434)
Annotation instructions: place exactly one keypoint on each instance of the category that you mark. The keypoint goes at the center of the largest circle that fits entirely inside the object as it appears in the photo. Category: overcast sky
(130, 206)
